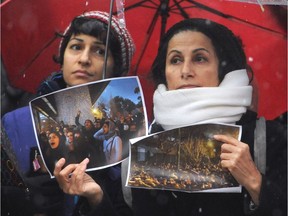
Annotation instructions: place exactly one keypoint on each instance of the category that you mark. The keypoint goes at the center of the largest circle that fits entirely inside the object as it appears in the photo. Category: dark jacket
(273, 195)
(45, 196)
(113, 203)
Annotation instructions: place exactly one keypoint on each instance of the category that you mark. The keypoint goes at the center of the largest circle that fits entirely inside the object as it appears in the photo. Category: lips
(187, 86)
(82, 73)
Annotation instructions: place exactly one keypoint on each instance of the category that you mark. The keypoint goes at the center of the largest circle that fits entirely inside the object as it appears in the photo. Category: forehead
(84, 38)
(190, 38)
(53, 135)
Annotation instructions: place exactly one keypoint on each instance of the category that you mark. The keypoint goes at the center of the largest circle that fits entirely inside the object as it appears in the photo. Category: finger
(66, 172)
(226, 139)
(225, 156)
(226, 164)
(228, 148)
(81, 167)
(78, 174)
(58, 166)
(85, 161)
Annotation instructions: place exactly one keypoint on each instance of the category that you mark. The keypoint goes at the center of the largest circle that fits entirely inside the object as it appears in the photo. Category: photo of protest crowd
(186, 159)
(103, 138)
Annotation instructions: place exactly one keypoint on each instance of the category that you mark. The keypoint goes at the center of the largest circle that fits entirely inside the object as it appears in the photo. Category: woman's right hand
(74, 180)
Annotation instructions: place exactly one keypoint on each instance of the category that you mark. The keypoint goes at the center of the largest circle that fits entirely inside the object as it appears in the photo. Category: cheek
(171, 79)
(68, 60)
(110, 68)
(211, 80)
(66, 68)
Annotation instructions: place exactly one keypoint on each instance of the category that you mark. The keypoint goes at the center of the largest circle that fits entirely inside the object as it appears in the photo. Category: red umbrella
(29, 41)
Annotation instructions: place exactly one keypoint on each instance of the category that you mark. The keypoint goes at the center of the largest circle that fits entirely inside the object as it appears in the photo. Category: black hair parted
(228, 47)
(95, 28)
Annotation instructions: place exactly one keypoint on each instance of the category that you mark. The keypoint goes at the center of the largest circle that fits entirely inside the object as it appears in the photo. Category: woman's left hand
(235, 156)
(74, 180)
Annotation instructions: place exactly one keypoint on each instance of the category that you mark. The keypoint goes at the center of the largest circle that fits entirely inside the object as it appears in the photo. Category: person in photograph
(112, 143)
(98, 124)
(87, 131)
(70, 141)
(71, 148)
(201, 76)
(81, 59)
(56, 150)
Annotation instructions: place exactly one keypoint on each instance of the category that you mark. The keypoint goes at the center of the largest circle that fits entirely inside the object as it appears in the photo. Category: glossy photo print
(94, 121)
(185, 159)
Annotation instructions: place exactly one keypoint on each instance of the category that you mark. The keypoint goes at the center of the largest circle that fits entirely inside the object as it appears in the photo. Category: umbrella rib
(22, 72)
(107, 40)
(140, 4)
(181, 9)
(230, 17)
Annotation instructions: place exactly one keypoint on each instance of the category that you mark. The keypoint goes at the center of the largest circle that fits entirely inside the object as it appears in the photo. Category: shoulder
(117, 139)
(18, 128)
(276, 132)
(53, 83)
(18, 116)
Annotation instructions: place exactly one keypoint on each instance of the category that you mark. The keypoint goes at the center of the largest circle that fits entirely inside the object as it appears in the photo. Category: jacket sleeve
(273, 193)
(113, 203)
(105, 208)
(77, 120)
(19, 129)
(99, 135)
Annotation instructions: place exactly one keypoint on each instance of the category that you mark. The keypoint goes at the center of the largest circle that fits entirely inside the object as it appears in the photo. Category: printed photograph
(92, 121)
(185, 159)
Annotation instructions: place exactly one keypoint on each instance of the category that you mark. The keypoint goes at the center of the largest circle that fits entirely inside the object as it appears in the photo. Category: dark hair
(228, 47)
(98, 29)
(107, 122)
(61, 138)
(55, 132)
(88, 120)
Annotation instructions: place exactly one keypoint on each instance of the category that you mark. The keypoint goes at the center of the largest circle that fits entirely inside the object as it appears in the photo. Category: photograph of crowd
(92, 121)
(186, 159)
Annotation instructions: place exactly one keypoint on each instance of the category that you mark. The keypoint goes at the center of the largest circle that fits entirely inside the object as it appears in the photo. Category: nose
(187, 70)
(84, 58)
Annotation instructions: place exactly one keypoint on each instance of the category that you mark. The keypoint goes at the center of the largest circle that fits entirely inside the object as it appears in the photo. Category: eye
(75, 47)
(175, 60)
(200, 58)
(98, 50)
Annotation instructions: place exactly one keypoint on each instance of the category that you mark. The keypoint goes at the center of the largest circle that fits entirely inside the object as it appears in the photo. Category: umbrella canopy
(29, 39)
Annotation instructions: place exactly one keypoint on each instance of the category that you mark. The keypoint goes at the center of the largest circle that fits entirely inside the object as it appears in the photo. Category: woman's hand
(236, 157)
(74, 180)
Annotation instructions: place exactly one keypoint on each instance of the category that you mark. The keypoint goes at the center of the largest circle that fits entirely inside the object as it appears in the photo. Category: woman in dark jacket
(201, 76)
(81, 57)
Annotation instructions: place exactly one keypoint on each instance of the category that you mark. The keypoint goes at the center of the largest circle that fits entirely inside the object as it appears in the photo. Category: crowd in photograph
(193, 176)
(97, 140)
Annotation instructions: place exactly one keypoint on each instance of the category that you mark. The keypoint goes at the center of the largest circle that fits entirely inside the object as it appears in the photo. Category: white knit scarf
(223, 104)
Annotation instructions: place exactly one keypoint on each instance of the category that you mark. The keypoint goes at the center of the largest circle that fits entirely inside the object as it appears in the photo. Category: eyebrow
(194, 51)
(82, 41)
(200, 49)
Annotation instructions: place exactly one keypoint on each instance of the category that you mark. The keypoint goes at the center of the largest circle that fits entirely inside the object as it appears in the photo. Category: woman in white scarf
(201, 76)
(195, 92)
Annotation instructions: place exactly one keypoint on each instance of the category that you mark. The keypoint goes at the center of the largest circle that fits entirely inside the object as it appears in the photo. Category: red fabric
(28, 26)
